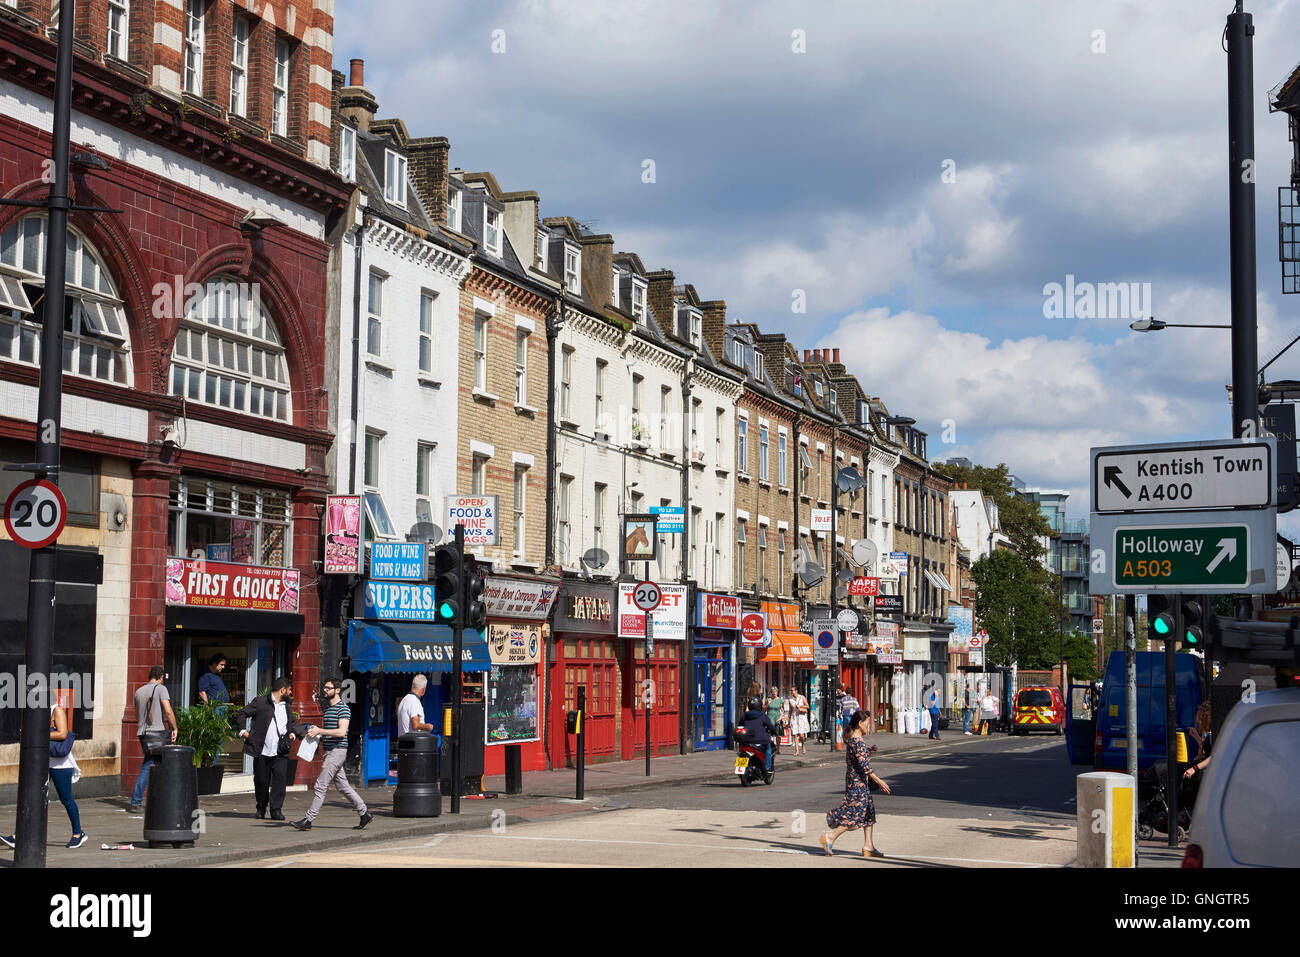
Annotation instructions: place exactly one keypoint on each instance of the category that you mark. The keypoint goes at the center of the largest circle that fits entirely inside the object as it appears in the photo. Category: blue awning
(389, 646)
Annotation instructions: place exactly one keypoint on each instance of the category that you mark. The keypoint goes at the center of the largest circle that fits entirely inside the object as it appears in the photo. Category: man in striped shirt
(334, 741)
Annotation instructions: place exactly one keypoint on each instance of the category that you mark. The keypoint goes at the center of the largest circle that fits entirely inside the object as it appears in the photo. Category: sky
(915, 172)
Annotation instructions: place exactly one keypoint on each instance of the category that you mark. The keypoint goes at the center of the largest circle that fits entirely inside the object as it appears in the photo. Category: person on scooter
(760, 730)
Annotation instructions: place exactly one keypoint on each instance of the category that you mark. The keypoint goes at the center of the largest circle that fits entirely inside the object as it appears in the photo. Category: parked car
(1245, 812)
(1038, 709)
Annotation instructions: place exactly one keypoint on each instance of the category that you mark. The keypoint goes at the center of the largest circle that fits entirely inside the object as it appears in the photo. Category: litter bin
(172, 805)
(418, 792)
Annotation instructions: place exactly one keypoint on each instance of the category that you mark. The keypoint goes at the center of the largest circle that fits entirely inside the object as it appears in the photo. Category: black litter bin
(171, 809)
(418, 791)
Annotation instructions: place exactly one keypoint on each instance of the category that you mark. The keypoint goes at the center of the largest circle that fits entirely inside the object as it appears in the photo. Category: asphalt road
(989, 803)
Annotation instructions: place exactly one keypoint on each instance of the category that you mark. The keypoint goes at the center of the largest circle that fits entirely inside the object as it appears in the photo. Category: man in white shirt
(410, 713)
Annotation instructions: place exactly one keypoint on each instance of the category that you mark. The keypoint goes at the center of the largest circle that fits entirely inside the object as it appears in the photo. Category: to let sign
(1221, 474)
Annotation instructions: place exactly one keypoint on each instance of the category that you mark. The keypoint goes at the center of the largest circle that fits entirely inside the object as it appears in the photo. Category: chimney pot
(836, 353)
(358, 77)
(806, 354)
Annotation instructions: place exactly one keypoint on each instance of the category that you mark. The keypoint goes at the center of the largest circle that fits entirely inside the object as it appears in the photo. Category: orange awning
(788, 646)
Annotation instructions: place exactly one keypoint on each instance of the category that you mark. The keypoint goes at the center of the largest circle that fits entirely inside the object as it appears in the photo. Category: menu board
(511, 704)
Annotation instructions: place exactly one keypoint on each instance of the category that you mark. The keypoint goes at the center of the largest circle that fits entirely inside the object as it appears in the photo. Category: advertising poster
(343, 535)
(241, 541)
(669, 618)
(511, 703)
(963, 622)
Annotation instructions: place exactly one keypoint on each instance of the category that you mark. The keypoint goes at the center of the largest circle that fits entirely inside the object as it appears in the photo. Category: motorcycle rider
(760, 730)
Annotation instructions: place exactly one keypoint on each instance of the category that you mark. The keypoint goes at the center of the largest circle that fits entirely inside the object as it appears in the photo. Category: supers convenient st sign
(1223, 474)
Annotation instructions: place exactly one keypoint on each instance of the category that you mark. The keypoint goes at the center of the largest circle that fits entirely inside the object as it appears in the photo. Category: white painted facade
(402, 406)
(880, 506)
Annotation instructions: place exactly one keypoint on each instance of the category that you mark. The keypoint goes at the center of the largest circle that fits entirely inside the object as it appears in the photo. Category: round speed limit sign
(35, 513)
(646, 596)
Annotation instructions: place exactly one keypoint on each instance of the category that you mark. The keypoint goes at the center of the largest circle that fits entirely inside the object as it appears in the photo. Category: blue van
(1098, 737)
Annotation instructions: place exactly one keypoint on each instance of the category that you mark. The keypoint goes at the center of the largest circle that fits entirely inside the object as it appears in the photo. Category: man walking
(153, 711)
(965, 709)
(334, 742)
(268, 742)
(410, 713)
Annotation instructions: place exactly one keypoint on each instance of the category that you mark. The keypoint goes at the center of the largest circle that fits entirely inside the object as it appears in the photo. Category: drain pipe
(356, 354)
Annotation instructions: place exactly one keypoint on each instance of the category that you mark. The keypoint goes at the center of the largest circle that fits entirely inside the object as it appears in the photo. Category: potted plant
(205, 727)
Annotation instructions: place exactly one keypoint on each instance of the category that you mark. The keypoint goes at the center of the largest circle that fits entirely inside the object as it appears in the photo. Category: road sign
(847, 619)
(1221, 474)
(35, 513)
(1283, 567)
(825, 648)
(977, 641)
(1221, 553)
(1099, 626)
(647, 596)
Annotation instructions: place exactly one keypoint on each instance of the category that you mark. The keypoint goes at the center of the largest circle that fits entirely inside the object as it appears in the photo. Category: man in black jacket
(268, 743)
(760, 729)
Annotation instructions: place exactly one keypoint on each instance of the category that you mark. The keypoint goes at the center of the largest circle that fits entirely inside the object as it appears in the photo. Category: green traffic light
(445, 610)
(1193, 636)
(1162, 625)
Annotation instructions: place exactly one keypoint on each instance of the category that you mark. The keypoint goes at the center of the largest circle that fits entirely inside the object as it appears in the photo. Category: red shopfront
(513, 692)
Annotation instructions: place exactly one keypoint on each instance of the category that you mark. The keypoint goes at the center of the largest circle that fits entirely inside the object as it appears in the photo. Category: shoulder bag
(284, 748)
(61, 749)
(154, 741)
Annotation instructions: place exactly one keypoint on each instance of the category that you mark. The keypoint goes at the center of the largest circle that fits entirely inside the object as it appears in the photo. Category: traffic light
(1192, 624)
(448, 585)
(1160, 617)
(475, 607)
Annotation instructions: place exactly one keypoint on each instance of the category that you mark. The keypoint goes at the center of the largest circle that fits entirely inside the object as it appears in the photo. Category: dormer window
(453, 209)
(348, 153)
(572, 269)
(492, 230)
(541, 250)
(863, 413)
(758, 365)
(738, 353)
(638, 299)
(697, 330)
(395, 178)
(616, 293)
(834, 401)
(818, 385)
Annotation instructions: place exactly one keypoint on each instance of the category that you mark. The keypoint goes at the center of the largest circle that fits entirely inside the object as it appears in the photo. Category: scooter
(751, 763)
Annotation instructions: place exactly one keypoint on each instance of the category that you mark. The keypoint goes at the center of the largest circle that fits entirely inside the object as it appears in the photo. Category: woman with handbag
(156, 727)
(64, 772)
(799, 724)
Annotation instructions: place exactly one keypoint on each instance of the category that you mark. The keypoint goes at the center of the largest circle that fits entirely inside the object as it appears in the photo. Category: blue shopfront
(716, 628)
(396, 640)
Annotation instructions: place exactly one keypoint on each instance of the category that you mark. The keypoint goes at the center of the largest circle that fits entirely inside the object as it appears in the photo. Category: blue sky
(1088, 139)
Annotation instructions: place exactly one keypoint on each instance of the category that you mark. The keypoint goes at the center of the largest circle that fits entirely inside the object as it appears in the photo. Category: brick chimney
(659, 297)
(429, 158)
(836, 353)
(597, 274)
(356, 103)
(713, 319)
(807, 354)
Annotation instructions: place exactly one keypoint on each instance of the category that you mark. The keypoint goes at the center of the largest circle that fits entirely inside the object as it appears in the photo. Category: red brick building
(194, 412)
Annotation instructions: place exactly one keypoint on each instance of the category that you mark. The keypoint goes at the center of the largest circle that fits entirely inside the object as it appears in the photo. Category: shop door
(590, 663)
(664, 673)
(712, 697)
(374, 745)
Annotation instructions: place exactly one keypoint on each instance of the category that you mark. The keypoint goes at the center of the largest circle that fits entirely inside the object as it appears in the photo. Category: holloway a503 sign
(204, 584)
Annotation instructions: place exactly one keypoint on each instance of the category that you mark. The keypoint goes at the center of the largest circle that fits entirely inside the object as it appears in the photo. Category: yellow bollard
(1106, 819)
(446, 722)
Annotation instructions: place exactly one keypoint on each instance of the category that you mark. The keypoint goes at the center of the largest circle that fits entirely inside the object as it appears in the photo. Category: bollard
(1106, 804)
(514, 769)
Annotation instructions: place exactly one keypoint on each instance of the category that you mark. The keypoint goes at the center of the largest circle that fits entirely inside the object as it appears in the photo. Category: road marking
(283, 863)
(437, 840)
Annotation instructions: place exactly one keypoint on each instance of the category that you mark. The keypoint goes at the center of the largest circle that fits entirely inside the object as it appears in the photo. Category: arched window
(95, 343)
(228, 352)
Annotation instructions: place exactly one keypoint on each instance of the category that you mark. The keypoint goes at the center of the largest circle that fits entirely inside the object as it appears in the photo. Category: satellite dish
(849, 480)
(864, 552)
(844, 575)
(841, 591)
(595, 558)
(812, 574)
(424, 532)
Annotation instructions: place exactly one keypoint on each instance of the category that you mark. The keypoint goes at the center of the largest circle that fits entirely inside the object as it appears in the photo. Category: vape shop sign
(203, 584)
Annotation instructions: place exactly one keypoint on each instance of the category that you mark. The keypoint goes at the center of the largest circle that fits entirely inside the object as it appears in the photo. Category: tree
(1021, 520)
(1018, 607)
(1081, 656)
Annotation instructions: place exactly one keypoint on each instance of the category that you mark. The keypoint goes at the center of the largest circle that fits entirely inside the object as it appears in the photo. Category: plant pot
(210, 779)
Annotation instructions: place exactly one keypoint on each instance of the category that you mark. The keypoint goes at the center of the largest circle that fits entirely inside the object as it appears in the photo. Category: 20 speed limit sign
(647, 596)
(35, 513)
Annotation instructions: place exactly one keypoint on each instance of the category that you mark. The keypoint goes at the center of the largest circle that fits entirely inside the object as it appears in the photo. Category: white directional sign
(1222, 474)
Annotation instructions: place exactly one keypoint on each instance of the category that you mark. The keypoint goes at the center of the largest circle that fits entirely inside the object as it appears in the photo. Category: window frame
(480, 350)
(280, 87)
(122, 49)
(764, 448)
(453, 210)
(347, 153)
(428, 298)
(394, 178)
(572, 277)
(378, 438)
(639, 288)
(520, 493)
(192, 46)
(495, 248)
(239, 65)
(375, 317)
(521, 365)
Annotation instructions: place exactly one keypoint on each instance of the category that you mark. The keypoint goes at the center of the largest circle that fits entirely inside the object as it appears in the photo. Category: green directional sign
(1182, 555)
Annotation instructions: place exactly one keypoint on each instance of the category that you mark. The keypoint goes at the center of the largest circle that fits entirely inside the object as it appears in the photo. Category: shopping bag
(307, 749)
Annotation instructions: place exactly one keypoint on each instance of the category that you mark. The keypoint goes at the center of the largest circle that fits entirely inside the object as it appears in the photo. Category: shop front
(516, 634)
(583, 653)
(662, 669)
(236, 596)
(717, 625)
(856, 664)
(395, 640)
(888, 660)
(788, 660)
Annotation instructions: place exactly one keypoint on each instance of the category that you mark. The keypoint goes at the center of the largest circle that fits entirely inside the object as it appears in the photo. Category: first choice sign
(1199, 475)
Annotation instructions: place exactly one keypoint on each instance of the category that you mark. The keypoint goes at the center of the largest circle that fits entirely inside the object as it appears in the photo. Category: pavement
(228, 833)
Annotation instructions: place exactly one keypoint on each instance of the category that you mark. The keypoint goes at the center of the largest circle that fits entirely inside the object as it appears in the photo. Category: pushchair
(1153, 809)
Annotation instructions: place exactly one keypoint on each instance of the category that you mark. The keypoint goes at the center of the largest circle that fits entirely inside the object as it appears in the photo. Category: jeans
(62, 778)
(269, 778)
(768, 750)
(331, 772)
(965, 719)
(934, 725)
(142, 780)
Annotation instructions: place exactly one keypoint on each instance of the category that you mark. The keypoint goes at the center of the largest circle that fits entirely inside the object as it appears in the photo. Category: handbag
(284, 748)
(61, 749)
(802, 705)
(153, 741)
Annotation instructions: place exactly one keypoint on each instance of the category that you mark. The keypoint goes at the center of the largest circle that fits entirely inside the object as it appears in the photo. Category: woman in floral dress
(857, 811)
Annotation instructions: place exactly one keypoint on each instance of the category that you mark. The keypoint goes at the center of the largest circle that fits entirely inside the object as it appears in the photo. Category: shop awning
(934, 579)
(788, 646)
(943, 580)
(391, 646)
